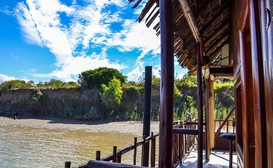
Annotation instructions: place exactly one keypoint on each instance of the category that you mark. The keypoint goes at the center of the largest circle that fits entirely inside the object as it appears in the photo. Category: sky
(58, 39)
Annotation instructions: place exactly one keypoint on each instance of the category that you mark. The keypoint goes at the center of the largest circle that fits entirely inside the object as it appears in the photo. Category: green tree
(97, 77)
(71, 84)
(54, 84)
(15, 84)
(224, 97)
(111, 94)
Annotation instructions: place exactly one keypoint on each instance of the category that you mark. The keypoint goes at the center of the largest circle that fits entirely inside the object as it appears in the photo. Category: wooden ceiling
(212, 20)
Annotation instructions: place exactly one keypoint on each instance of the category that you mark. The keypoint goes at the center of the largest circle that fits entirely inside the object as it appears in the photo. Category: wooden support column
(258, 85)
(209, 115)
(167, 84)
(147, 115)
(199, 105)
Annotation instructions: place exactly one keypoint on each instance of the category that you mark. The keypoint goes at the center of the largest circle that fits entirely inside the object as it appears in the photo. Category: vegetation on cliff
(104, 93)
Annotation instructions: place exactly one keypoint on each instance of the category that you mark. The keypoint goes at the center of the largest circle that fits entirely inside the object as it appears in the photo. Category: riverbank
(124, 127)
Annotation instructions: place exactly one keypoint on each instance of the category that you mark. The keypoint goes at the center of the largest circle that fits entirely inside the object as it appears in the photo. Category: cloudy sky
(45, 39)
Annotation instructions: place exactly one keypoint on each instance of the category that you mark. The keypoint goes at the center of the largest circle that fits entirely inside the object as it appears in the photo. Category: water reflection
(28, 147)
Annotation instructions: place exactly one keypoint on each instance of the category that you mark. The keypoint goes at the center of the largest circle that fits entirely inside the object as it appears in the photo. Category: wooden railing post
(227, 126)
(119, 157)
(180, 144)
(97, 155)
(147, 114)
(67, 164)
(135, 150)
(142, 156)
(114, 153)
(153, 150)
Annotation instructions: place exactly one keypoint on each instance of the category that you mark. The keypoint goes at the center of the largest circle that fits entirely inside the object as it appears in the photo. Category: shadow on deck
(218, 159)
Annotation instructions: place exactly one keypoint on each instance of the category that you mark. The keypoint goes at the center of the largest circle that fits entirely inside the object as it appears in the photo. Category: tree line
(115, 91)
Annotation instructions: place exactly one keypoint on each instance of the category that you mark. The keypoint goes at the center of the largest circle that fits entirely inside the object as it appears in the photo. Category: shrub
(111, 94)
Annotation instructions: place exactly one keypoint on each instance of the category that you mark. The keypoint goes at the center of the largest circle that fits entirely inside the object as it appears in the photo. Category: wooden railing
(117, 154)
(183, 139)
(225, 125)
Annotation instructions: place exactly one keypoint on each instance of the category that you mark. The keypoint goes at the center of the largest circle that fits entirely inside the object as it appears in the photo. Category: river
(29, 147)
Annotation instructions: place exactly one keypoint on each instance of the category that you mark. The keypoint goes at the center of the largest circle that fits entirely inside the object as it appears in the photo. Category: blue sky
(58, 39)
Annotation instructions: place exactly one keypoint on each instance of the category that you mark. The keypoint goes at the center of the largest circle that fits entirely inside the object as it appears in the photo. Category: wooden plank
(167, 84)
(223, 71)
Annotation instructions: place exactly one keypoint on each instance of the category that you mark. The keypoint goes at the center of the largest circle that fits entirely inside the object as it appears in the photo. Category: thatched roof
(212, 20)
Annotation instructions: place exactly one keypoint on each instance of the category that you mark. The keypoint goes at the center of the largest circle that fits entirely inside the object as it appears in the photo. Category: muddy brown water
(28, 147)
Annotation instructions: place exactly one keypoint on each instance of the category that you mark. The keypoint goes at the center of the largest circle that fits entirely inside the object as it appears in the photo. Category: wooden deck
(218, 159)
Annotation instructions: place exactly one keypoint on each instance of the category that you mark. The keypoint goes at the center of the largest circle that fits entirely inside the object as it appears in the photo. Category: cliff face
(72, 103)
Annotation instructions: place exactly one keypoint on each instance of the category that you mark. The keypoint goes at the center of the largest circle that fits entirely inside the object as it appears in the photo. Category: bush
(15, 84)
(111, 94)
(37, 98)
(97, 77)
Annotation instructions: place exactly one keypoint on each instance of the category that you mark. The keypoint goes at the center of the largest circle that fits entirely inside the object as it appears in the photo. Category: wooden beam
(167, 85)
(185, 7)
(224, 71)
(199, 106)
(185, 131)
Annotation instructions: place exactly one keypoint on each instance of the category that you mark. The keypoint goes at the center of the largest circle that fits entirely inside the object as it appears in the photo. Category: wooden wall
(251, 49)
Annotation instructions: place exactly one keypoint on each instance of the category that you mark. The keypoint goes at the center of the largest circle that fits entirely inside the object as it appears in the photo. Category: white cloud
(4, 78)
(90, 24)
(80, 64)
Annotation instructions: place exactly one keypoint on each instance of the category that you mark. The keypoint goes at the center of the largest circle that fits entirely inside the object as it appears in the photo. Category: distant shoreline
(123, 127)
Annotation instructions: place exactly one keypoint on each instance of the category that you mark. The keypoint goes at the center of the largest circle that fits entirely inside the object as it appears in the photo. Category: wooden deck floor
(218, 159)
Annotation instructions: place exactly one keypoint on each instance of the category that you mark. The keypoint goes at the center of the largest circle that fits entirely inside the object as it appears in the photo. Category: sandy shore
(125, 127)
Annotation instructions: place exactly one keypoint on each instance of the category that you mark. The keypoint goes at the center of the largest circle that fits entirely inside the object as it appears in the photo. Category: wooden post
(97, 155)
(147, 115)
(119, 157)
(199, 106)
(167, 84)
(153, 150)
(227, 126)
(230, 153)
(114, 153)
(67, 164)
(180, 146)
(210, 128)
(142, 157)
(135, 150)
